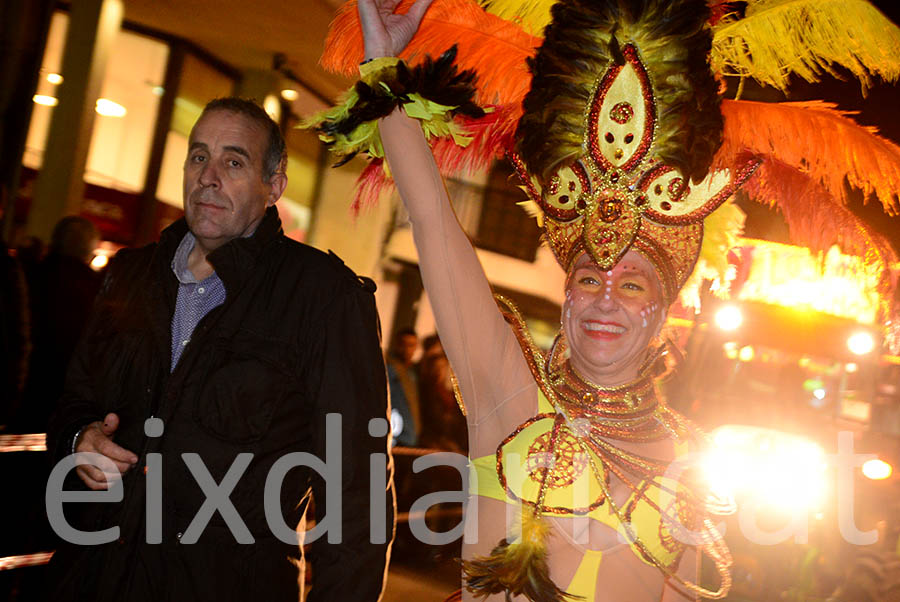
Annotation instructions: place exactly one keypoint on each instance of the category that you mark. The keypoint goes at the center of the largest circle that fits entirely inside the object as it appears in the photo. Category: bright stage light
(819, 393)
(746, 354)
(876, 469)
(290, 95)
(729, 317)
(54, 78)
(861, 343)
(775, 469)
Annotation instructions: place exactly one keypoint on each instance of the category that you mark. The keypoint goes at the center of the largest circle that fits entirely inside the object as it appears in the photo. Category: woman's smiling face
(610, 317)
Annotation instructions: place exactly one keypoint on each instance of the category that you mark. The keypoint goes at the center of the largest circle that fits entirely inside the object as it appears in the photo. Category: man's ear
(277, 184)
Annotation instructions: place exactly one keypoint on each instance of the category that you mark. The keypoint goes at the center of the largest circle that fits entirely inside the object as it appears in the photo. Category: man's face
(225, 191)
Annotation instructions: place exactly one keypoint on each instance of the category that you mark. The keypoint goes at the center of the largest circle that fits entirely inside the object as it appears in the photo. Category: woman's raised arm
(479, 344)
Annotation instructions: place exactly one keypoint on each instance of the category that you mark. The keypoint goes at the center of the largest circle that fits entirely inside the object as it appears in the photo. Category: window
(126, 112)
(504, 226)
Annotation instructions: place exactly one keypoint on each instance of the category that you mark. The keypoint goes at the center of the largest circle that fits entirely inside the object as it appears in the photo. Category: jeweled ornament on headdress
(627, 138)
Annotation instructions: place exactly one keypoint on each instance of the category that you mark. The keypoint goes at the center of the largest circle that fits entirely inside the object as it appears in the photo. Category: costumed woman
(577, 485)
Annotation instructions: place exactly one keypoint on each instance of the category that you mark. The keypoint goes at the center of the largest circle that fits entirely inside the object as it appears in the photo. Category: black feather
(438, 80)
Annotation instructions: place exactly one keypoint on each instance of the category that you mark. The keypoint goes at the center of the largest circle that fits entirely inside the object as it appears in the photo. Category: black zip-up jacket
(296, 339)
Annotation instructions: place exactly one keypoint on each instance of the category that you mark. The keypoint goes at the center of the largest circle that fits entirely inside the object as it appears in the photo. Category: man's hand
(386, 33)
(97, 438)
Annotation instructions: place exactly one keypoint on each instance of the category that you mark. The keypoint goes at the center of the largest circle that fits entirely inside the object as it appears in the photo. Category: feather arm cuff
(434, 92)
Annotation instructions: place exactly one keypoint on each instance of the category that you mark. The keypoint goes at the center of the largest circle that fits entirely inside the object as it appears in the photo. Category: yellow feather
(531, 15)
(532, 209)
(721, 230)
(808, 38)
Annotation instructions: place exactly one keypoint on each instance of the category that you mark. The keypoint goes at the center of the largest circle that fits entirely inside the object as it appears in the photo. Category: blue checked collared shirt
(195, 299)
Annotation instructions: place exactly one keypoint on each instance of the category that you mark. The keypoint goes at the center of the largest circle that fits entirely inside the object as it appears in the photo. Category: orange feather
(819, 141)
(495, 48)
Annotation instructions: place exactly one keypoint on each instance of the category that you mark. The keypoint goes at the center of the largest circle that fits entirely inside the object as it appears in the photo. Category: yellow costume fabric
(575, 487)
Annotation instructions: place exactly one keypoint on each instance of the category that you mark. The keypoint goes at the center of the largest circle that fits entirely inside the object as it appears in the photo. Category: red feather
(817, 220)
(492, 138)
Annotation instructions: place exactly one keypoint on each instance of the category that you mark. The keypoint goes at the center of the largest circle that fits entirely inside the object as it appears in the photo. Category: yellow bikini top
(515, 472)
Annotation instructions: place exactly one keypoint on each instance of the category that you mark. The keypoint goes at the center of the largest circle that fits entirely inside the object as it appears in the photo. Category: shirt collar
(180, 260)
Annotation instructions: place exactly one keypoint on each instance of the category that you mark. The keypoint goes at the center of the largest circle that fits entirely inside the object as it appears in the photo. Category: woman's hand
(386, 33)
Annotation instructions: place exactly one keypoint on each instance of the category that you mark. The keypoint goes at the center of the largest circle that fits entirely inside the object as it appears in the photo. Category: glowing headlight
(861, 343)
(773, 468)
(729, 318)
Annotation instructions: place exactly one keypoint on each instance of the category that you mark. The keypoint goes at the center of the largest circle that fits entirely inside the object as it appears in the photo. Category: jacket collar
(234, 260)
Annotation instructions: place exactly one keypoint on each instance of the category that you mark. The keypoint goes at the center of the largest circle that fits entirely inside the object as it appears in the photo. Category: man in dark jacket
(209, 380)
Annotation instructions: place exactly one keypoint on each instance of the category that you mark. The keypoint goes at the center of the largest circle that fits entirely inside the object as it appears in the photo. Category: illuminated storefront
(153, 90)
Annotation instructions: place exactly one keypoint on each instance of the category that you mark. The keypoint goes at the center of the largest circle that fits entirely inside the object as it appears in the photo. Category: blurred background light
(109, 108)
(876, 469)
(43, 99)
(99, 262)
(729, 317)
(290, 95)
(273, 107)
(861, 343)
(746, 354)
(54, 78)
(776, 469)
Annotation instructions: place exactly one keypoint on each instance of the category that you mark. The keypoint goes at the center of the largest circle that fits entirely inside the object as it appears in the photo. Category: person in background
(403, 384)
(14, 334)
(62, 290)
(443, 423)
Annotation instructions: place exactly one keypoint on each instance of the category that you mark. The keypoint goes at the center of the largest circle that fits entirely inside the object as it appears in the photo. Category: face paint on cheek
(649, 311)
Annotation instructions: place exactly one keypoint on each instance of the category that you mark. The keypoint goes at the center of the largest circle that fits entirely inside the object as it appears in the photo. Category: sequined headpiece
(618, 131)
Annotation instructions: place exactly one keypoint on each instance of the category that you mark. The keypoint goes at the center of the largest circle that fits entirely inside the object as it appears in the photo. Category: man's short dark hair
(275, 155)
